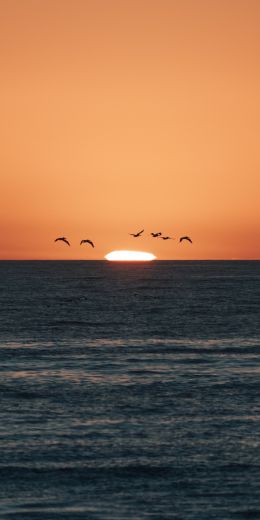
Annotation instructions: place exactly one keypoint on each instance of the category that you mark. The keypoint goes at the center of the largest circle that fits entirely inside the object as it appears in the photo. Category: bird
(87, 242)
(185, 238)
(63, 239)
(136, 234)
(167, 238)
(155, 235)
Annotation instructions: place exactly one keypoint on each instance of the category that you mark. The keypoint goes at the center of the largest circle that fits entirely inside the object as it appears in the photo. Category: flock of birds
(159, 235)
(135, 235)
(64, 239)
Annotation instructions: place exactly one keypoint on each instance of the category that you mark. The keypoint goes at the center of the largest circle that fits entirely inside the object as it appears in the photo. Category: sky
(122, 115)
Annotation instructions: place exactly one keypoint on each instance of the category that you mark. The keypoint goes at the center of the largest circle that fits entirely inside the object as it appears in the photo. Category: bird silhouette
(136, 234)
(154, 235)
(185, 238)
(62, 239)
(87, 242)
(167, 238)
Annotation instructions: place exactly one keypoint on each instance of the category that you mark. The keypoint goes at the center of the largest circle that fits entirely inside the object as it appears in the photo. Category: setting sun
(129, 256)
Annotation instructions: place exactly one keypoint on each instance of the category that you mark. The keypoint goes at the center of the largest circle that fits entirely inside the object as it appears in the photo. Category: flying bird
(185, 238)
(154, 235)
(63, 239)
(136, 234)
(87, 242)
(167, 238)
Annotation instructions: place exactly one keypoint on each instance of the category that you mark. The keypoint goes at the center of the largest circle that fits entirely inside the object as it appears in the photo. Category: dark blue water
(130, 391)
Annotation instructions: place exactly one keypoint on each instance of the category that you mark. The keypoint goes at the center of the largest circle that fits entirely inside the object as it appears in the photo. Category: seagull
(136, 234)
(167, 238)
(63, 239)
(87, 242)
(154, 235)
(185, 238)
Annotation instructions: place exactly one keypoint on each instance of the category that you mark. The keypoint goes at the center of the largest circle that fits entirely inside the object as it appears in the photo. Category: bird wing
(59, 238)
(185, 238)
(139, 232)
(66, 241)
(90, 242)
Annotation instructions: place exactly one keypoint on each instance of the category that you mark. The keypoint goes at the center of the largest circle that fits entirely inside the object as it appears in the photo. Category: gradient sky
(119, 115)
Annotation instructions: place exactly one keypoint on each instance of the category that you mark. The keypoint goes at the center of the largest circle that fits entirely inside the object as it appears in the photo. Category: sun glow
(129, 256)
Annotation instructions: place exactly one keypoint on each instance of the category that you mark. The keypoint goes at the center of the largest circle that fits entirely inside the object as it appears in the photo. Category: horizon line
(105, 260)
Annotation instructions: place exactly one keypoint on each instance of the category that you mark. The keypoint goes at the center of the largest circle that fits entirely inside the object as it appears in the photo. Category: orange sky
(119, 115)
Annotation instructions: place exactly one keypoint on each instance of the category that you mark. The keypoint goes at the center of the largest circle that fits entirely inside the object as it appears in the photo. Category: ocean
(130, 390)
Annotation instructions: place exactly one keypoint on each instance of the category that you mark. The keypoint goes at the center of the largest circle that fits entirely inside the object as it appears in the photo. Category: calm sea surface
(130, 391)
